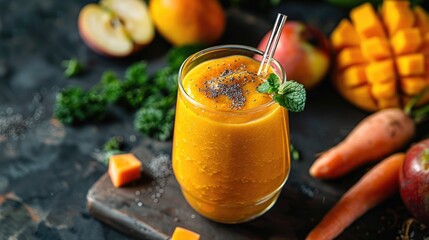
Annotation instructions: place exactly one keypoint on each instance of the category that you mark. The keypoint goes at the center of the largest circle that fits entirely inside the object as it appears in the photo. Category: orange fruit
(188, 21)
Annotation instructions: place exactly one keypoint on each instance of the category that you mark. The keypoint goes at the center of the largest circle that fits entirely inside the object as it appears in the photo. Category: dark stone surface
(46, 168)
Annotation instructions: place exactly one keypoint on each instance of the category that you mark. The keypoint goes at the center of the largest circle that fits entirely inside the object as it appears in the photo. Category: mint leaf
(270, 86)
(264, 87)
(274, 83)
(290, 95)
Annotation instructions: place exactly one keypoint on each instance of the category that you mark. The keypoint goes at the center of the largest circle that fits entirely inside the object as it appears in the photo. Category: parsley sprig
(290, 94)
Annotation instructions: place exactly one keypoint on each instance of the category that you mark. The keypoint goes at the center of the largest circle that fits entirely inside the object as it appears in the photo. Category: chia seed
(228, 84)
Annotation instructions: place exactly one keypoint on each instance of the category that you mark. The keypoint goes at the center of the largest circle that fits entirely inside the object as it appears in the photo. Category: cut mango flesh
(381, 71)
(344, 36)
(406, 41)
(413, 64)
(413, 85)
(376, 48)
(397, 15)
(123, 169)
(350, 56)
(355, 76)
(366, 21)
(184, 234)
(382, 56)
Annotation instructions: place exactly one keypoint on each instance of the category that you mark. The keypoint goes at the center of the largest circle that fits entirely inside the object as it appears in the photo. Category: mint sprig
(290, 94)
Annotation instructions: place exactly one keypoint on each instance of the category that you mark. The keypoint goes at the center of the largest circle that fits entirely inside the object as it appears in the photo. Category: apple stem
(272, 44)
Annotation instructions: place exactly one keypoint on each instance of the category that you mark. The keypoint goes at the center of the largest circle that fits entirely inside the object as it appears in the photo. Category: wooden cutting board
(153, 206)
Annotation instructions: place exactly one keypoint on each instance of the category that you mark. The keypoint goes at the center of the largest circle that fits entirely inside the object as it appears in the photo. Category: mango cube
(397, 15)
(366, 21)
(350, 56)
(354, 76)
(376, 48)
(384, 90)
(380, 71)
(344, 36)
(184, 234)
(413, 85)
(406, 41)
(412, 64)
(123, 169)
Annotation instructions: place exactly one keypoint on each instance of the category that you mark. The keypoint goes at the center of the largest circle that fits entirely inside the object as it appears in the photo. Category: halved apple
(116, 27)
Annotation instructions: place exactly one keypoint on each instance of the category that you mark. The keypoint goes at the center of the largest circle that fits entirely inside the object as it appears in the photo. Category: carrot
(124, 168)
(378, 184)
(375, 137)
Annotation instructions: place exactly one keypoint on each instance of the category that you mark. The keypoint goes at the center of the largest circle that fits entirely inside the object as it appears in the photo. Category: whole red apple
(303, 51)
(414, 181)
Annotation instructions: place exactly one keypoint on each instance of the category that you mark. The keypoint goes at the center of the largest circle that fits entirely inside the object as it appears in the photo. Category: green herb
(72, 67)
(109, 88)
(136, 85)
(290, 94)
(154, 98)
(296, 156)
(74, 105)
(113, 146)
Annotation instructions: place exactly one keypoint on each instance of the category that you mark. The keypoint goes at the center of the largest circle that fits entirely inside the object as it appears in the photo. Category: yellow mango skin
(397, 15)
(344, 36)
(366, 21)
(392, 65)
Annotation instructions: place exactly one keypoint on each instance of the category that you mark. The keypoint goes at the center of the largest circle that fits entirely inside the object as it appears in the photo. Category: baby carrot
(375, 137)
(379, 183)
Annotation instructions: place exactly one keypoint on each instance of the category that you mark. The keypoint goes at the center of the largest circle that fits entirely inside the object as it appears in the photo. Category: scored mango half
(382, 56)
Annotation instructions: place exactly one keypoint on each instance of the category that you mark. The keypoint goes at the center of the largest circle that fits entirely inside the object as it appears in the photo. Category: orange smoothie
(231, 144)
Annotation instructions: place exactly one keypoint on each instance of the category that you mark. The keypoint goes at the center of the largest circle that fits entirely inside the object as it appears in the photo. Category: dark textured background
(46, 169)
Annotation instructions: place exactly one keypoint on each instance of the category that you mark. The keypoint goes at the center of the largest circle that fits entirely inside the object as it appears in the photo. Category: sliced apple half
(116, 27)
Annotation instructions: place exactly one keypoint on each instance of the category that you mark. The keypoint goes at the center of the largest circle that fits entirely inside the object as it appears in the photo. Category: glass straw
(272, 44)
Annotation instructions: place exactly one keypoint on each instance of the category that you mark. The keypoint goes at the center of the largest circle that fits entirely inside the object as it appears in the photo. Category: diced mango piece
(412, 64)
(350, 56)
(184, 234)
(344, 35)
(388, 102)
(354, 76)
(366, 21)
(124, 168)
(413, 85)
(380, 71)
(384, 90)
(397, 15)
(376, 48)
(361, 96)
(406, 41)
(422, 19)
